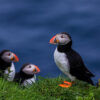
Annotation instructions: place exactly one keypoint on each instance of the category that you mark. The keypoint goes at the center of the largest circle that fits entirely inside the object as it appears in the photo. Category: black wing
(77, 67)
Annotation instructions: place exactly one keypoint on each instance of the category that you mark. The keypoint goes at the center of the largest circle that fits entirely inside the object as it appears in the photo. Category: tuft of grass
(48, 89)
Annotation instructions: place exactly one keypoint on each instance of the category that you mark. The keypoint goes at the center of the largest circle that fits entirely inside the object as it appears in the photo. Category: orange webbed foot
(66, 84)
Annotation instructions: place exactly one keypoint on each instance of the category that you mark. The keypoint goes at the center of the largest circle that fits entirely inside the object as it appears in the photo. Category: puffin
(27, 75)
(7, 67)
(69, 61)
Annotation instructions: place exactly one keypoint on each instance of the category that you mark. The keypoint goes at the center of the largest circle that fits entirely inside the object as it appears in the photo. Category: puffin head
(8, 56)
(30, 69)
(62, 38)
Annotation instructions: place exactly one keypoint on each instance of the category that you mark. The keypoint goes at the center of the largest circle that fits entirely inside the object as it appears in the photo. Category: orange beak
(54, 40)
(15, 58)
(37, 70)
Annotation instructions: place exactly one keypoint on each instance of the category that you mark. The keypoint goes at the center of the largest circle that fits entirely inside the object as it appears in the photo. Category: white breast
(62, 62)
(10, 72)
(29, 81)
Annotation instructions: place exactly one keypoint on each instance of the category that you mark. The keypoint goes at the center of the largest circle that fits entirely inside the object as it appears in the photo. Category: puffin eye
(29, 66)
(9, 54)
(62, 36)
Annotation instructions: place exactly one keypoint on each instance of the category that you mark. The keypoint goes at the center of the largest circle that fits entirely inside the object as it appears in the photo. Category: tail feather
(89, 80)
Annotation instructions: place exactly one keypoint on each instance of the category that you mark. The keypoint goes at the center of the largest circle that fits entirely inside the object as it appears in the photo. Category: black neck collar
(64, 48)
(4, 65)
(25, 76)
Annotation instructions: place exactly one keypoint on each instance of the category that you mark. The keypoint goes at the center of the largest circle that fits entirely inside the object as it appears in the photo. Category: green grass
(48, 89)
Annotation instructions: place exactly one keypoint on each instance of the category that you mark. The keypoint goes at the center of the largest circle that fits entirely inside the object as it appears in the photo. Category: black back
(20, 77)
(3, 64)
(77, 67)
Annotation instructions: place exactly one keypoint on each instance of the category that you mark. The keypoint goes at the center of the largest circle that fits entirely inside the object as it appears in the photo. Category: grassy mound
(48, 89)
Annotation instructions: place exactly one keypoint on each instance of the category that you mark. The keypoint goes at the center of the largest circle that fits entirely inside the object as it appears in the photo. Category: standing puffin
(7, 68)
(69, 61)
(27, 74)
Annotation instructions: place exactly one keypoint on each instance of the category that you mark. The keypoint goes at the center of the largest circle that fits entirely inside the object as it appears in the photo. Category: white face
(63, 39)
(29, 69)
(8, 56)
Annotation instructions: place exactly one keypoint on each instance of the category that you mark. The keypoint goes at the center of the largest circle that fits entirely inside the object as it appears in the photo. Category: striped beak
(14, 58)
(36, 70)
(54, 40)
